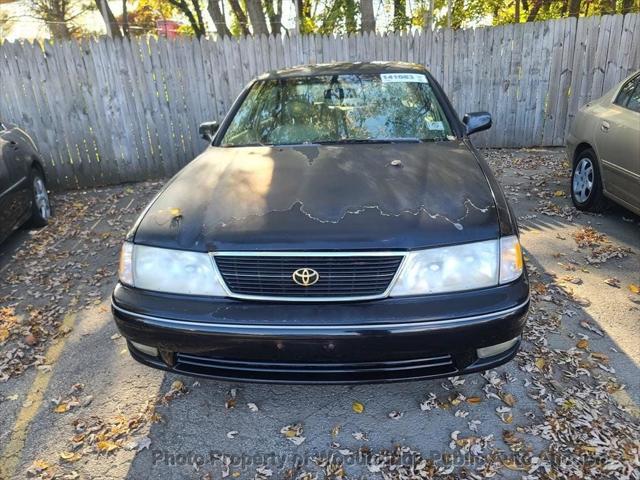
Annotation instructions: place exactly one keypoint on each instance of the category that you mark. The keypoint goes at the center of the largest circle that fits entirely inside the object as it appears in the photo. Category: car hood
(340, 197)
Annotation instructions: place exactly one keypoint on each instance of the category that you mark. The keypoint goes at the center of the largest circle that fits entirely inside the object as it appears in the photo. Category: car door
(618, 144)
(6, 223)
(14, 197)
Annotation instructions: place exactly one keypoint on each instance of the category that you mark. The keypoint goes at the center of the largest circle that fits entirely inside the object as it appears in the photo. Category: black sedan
(23, 191)
(339, 228)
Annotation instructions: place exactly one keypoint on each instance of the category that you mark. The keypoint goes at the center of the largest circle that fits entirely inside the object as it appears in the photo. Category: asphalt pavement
(75, 405)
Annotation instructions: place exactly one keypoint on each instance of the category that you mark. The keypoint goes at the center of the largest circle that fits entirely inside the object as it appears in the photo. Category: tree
(400, 20)
(58, 15)
(607, 7)
(533, 13)
(219, 20)
(274, 12)
(368, 16)
(350, 10)
(306, 23)
(240, 17)
(109, 18)
(427, 14)
(125, 19)
(257, 14)
(339, 17)
(143, 19)
(574, 8)
(627, 7)
(6, 24)
(192, 10)
(257, 17)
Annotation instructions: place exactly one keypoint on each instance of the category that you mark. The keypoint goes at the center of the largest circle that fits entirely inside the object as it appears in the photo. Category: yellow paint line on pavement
(10, 456)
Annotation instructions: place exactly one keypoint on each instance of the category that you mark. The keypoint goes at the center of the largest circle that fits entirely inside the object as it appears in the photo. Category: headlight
(460, 267)
(172, 271)
(449, 269)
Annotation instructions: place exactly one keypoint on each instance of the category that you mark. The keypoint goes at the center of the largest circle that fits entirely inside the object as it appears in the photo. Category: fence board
(105, 111)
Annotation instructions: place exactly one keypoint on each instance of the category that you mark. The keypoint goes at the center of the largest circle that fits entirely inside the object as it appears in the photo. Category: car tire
(586, 183)
(40, 203)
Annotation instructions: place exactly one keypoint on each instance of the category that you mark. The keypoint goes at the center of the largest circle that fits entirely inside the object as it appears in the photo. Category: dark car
(23, 191)
(340, 227)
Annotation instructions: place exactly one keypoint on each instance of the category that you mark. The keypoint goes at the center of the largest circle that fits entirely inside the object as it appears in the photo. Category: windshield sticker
(435, 126)
(403, 78)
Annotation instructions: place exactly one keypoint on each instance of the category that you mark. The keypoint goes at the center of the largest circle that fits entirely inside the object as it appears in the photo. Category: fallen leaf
(508, 399)
(297, 440)
(107, 446)
(252, 407)
(474, 400)
(293, 433)
(62, 407)
(506, 417)
(231, 401)
(613, 282)
(583, 344)
(70, 456)
(177, 385)
(264, 471)
(357, 407)
(144, 442)
(39, 466)
(600, 356)
(588, 326)
(633, 288)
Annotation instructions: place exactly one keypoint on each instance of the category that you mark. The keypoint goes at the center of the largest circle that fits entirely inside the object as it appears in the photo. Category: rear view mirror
(207, 130)
(477, 121)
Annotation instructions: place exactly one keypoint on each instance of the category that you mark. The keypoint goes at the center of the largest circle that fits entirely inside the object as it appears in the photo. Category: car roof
(344, 68)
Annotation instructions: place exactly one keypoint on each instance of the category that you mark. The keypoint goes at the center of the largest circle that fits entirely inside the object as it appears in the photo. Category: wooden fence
(105, 111)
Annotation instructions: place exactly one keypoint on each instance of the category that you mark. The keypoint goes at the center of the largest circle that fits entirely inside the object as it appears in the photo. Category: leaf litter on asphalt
(574, 410)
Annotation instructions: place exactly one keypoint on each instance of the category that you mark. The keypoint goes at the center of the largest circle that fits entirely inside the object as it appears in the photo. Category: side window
(626, 92)
(634, 100)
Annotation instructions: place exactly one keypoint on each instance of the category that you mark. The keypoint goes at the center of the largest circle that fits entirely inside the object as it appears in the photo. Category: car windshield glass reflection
(396, 107)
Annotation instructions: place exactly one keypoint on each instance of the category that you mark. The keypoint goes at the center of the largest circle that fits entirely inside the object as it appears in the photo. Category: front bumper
(359, 342)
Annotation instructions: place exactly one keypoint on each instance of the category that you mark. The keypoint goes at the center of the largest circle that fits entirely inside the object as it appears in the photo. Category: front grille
(339, 276)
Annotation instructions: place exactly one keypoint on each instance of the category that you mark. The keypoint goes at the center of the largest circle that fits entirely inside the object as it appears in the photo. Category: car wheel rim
(583, 180)
(41, 198)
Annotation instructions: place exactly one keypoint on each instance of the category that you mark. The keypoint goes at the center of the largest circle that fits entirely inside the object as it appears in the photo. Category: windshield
(382, 107)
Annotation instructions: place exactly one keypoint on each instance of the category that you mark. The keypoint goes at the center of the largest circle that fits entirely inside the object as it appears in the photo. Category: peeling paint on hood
(367, 196)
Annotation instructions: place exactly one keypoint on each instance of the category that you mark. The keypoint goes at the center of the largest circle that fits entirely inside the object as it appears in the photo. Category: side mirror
(207, 130)
(477, 121)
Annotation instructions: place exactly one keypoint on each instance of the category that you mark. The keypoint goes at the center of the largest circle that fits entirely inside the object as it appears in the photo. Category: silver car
(604, 147)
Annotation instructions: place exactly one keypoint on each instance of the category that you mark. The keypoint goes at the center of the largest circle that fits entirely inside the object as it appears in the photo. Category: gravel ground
(73, 403)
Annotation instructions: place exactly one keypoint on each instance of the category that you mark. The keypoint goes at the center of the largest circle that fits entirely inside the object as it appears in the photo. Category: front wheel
(586, 183)
(41, 206)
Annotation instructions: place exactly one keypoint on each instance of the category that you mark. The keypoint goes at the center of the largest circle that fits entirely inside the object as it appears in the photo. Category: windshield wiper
(368, 140)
